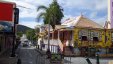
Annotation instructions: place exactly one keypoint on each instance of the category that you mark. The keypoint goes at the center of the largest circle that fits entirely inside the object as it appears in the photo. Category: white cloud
(25, 4)
(93, 14)
(101, 20)
(28, 13)
(94, 6)
(85, 4)
(31, 24)
(66, 17)
(27, 10)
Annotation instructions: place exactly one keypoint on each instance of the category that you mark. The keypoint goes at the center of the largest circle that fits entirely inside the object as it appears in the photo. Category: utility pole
(16, 19)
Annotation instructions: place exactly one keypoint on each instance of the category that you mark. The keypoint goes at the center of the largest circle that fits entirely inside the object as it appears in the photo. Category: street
(29, 55)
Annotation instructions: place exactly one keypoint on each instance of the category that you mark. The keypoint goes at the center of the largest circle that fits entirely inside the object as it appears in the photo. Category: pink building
(110, 14)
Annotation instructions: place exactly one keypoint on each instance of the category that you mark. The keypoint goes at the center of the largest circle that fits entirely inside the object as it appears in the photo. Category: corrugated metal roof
(81, 21)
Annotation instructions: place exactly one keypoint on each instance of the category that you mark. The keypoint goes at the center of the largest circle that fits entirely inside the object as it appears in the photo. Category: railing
(84, 43)
(88, 43)
(53, 48)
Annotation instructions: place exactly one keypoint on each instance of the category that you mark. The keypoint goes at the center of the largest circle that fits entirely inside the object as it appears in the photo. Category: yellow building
(84, 34)
(89, 34)
(85, 30)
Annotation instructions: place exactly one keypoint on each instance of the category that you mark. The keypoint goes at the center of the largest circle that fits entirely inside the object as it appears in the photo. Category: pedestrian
(41, 44)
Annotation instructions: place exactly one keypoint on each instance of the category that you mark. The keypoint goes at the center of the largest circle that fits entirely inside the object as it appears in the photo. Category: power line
(23, 7)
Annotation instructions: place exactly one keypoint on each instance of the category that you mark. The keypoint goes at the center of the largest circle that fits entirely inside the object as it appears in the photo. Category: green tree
(31, 35)
(19, 34)
(52, 15)
(37, 29)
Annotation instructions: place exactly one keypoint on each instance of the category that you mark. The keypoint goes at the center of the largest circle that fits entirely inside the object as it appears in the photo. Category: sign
(6, 11)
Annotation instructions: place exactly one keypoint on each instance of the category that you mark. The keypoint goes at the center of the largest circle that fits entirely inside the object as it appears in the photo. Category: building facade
(110, 13)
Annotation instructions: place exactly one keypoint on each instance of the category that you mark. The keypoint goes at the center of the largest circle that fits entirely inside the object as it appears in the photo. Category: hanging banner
(7, 11)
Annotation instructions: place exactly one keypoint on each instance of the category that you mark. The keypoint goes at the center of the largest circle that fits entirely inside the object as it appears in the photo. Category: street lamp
(16, 19)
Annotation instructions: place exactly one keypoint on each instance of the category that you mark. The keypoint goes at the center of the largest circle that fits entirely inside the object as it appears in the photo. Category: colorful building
(83, 34)
(90, 37)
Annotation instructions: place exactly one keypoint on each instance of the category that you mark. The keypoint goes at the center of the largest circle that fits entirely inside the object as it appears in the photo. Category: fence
(53, 48)
(56, 57)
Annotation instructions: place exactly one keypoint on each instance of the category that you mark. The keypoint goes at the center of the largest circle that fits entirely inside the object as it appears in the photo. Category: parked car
(25, 44)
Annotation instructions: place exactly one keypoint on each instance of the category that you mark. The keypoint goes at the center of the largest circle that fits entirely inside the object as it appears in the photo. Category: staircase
(60, 45)
(66, 50)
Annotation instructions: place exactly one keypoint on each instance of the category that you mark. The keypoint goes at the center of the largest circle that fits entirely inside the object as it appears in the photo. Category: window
(95, 39)
(84, 38)
(83, 33)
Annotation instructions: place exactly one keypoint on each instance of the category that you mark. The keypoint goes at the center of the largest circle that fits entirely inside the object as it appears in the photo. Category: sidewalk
(6, 59)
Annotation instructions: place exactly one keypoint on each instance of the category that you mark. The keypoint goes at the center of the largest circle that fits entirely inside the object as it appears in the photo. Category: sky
(95, 10)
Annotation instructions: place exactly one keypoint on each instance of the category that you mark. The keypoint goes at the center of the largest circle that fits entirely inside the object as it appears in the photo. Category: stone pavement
(29, 55)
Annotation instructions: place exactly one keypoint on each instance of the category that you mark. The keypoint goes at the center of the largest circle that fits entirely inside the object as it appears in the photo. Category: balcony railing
(89, 43)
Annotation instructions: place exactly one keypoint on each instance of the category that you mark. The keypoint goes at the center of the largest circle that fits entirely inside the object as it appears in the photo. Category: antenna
(81, 14)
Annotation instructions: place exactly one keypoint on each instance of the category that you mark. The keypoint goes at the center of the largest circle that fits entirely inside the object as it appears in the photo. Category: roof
(81, 21)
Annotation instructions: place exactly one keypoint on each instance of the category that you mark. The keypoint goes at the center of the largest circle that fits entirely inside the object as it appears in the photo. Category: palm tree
(52, 16)
(44, 16)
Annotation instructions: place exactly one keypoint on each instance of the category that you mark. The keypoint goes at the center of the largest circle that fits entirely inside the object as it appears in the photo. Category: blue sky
(95, 10)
